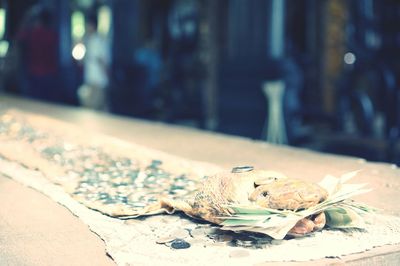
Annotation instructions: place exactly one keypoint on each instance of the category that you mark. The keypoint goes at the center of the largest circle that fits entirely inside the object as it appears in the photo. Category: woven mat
(105, 181)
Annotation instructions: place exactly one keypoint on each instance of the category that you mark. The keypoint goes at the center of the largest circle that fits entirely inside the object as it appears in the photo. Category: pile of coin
(102, 178)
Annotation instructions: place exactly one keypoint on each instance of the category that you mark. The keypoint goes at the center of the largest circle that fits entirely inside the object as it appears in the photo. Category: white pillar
(277, 29)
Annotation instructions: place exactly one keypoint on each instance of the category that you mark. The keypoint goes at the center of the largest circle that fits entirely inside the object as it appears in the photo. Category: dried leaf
(347, 176)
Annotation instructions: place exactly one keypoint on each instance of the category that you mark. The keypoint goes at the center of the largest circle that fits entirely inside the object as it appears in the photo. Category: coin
(104, 196)
(179, 244)
(180, 233)
(223, 238)
(242, 240)
(242, 169)
(163, 240)
(276, 242)
(178, 192)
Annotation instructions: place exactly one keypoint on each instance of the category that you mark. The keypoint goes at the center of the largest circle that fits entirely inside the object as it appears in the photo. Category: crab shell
(267, 189)
(288, 194)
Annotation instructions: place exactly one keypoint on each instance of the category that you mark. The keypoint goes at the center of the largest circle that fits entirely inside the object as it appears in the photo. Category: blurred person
(38, 43)
(95, 68)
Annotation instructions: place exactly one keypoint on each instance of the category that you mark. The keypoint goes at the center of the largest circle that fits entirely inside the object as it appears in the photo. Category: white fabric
(96, 60)
(135, 243)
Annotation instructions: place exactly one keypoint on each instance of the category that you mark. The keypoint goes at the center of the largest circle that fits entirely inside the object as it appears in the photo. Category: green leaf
(342, 217)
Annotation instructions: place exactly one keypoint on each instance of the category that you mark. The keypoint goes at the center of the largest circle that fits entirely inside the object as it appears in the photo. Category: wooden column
(333, 50)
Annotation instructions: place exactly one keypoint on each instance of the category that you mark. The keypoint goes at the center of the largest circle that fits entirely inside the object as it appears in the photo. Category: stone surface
(34, 230)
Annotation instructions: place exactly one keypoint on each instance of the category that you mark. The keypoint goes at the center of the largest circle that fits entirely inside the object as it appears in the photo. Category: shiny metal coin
(180, 233)
(179, 244)
(242, 169)
(164, 240)
(244, 243)
(223, 238)
(198, 232)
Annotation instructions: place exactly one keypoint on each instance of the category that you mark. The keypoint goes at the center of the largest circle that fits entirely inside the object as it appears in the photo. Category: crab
(268, 189)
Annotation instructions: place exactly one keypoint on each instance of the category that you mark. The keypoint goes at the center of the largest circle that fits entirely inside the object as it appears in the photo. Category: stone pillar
(209, 56)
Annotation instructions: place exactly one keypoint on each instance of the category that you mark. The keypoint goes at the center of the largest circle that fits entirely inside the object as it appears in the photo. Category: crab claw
(309, 224)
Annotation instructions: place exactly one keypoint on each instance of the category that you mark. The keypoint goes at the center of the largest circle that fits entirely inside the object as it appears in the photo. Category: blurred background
(319, 74)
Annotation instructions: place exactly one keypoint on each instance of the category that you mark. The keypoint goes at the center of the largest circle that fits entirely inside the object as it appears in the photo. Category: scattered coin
(104, 180)
(223, 238)
(244, 243)
(196, 241)
(164, 240)
(198, 232)
(179, 244)
(241, 169)
(276, 241)
(180, 233)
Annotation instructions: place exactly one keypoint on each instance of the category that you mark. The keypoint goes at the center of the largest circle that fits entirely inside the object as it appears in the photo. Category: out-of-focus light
(2, 22)
(3, 48)
(77, 25)
(104, 20)
(349, 58)
(79, 51)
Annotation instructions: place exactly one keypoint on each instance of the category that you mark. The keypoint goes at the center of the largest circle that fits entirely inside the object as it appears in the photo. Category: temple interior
(208, 64)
